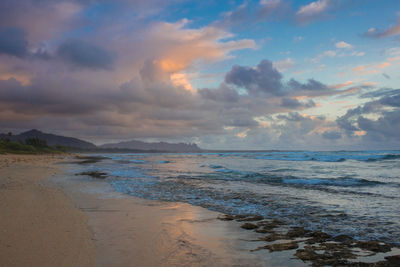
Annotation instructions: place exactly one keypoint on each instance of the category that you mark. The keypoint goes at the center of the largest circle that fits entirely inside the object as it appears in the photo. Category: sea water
(353, 193)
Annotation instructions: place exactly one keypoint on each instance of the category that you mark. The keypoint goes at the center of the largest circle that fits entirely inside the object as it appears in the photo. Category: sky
(265, 74)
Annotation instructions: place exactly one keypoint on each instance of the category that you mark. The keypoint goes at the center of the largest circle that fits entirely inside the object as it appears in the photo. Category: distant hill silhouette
(51, 139)
(158, 146)
(80, 145)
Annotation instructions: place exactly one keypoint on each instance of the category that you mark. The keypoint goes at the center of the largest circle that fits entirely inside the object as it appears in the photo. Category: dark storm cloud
(13, 42)
(293, 103)
(381, 93)
(84, 54)
(311, 85)
(392, 101)
(39, 97)
(223, 94)
(385, 127)
(263, 78)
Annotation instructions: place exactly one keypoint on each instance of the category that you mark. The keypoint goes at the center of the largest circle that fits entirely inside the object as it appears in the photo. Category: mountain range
(75, 143)
(159, 146)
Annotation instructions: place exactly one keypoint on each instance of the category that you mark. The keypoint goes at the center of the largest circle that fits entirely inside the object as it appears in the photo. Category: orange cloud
(341, 85)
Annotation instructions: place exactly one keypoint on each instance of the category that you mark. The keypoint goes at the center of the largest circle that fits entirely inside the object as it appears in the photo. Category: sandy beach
(50, 218)
(39, 225)
(52, 215)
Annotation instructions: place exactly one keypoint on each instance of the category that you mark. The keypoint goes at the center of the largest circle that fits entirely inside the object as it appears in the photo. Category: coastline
(130, 231)
(40, 225)
(56, 216)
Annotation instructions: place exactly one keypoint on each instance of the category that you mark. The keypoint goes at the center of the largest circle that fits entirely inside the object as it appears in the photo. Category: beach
(53, 218)
(39, 225)
(58, 214)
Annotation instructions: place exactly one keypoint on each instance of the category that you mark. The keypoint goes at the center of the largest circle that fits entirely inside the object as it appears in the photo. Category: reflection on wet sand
(134, 232)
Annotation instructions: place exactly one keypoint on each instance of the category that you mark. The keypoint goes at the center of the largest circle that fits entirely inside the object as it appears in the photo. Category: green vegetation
(30, 146)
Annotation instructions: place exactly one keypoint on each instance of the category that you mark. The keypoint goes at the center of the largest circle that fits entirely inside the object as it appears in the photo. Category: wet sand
(39, 225)
(52, 217)
(129, 231)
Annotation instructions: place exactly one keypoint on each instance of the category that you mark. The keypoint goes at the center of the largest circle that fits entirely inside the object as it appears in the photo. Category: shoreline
(55, 216)
(40, 225)
(130, 231)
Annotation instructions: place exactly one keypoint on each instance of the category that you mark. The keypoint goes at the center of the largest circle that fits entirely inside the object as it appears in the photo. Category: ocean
(354, 193)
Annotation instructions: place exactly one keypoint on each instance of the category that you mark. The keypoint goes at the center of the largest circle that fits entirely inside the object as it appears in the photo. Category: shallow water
(354, 193)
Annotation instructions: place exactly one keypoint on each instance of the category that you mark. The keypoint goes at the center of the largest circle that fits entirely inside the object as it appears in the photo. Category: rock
(393, 260)
(251, 219)
(282, 246)
(95, 174)
(267, 226)
(306, 254)
(374, 246)
(226, 217)
(343, 239)
(89, 159)
(318, 237)
(249, 226)
(273, 237)
(296, 232)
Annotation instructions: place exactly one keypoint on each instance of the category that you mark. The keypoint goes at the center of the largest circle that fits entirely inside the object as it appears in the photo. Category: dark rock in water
(296, 232)
(273, 237)
(241, 218)
(318, 237)
(281, 246)
(306, 254)
(95, 174)
(343, 239)
(89, 159)
(267, 226)
(226, 217)
(251, 219)
(374, 246)
(333, 255)
(249, 226)
(393, 260)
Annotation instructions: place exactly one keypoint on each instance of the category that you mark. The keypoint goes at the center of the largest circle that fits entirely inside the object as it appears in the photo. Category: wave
(343, 182)
(385, 157)
(137, 161)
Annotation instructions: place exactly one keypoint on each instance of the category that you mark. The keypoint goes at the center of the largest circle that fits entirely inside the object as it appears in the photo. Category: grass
(31, 146)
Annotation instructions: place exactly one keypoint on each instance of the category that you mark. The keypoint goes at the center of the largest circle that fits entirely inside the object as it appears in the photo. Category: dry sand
(39, 225)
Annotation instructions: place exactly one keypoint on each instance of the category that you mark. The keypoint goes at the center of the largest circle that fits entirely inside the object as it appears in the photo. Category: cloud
(393, 30)
(275, 9)
(328, 53)
(223, 94)
(13, 42)
(313, 11)
(40, 19)
(293, 103)
(332, 135)
(248, 14)
(231, 18)
(284, 65)
(263, 78)
(343, 45)
(383, 125)
(83, 54)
